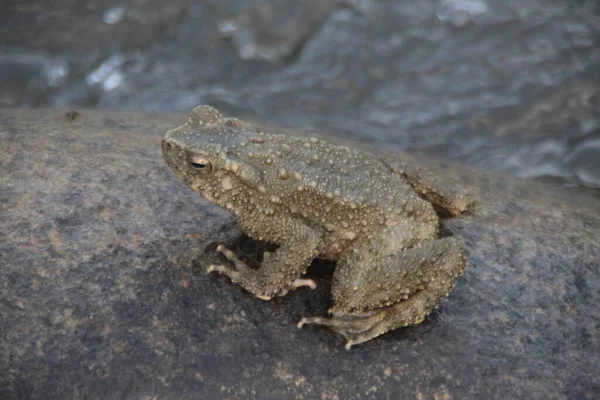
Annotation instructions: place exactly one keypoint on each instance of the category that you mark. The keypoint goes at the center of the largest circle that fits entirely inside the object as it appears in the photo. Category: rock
(103, 291)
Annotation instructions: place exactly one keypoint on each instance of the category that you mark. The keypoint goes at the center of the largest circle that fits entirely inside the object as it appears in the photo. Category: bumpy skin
(315, 199)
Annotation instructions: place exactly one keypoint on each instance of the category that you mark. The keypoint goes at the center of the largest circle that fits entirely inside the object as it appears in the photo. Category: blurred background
(508, 85)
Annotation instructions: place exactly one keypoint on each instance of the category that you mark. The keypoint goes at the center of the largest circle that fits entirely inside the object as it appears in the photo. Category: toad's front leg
(281, 270)
(375, 293)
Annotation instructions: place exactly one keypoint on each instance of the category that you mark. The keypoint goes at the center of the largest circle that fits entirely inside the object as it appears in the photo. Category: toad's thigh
(366, 279)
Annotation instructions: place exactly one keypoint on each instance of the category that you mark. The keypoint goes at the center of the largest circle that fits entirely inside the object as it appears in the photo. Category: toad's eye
(201, 164)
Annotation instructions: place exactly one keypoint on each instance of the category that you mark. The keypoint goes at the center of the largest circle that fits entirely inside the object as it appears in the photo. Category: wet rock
(103, 292)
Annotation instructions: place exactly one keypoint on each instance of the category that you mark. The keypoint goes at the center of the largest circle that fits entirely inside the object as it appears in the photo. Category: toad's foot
(304, 282)
(297, 284)
(262, 285)
(356, 327)
(234, 275)
(360, 327)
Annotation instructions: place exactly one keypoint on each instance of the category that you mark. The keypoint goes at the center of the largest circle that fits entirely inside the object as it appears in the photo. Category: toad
(318, 200)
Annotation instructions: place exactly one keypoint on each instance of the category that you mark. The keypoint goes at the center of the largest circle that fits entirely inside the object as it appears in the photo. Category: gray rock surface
(103, 292)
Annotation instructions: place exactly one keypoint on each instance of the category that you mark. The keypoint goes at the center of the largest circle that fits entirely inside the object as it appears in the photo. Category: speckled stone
(103, 291)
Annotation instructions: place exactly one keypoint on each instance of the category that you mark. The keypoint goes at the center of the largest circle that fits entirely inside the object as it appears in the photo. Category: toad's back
(321, 168)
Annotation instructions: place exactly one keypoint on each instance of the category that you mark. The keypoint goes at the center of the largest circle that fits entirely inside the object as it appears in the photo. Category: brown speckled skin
(315, 199)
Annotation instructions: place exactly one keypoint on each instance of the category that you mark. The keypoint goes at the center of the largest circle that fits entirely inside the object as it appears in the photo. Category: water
(507, 85)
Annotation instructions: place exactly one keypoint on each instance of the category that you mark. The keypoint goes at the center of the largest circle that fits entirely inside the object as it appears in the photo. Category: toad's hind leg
(374, 294)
